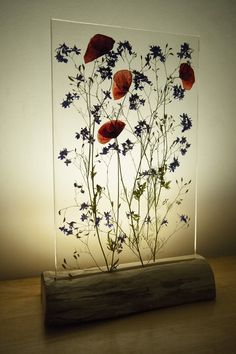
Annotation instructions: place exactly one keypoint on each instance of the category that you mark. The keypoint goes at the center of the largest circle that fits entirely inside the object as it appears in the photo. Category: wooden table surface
(205, 327)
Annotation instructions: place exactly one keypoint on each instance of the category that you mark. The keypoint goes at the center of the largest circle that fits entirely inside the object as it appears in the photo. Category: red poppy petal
(110, 130)
(187, 85)
(98, 46)
(102, 139)
(121, 83)
(117, 93)
(187, 76)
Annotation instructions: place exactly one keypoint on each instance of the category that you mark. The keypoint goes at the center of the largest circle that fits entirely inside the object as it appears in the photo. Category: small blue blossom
(178, 92)
(75, 50)
(141, 127)
(107, 95)
(84, 206)
(125, 46)
(85, 135)
(63, 51)
(127, 146)
(120, 241)
(60, 58)
(184, 218)
(109, 147)
(185, 51)
(173, 165)
(69, 99)
(184, 145)
(185, 122)
(107, 216)
(105, 150)
(72, 224)
(66, 231)
(139, 79)
(111, 58)
(97, 221)
(164, 222)
(122, 237)
(96, 112)
(183, 151)
(63, 153)
(156, 52)
(135, 101)
(183, 140)
(105, 72)
(76, 185)
(83, 217)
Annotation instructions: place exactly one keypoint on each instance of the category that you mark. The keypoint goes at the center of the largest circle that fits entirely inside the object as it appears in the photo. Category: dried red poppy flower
(110, 130)
(98, 46)
(121, 83)
(186, 74)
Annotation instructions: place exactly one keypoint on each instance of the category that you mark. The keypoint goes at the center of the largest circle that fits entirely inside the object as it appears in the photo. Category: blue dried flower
(85, 135)
(107, 216)
(184, 218)
(174, 164)
(83, 217)
(185, 51)
(69, 99)
(178, 92)
(156, 52)
(185, 122)
(60, 58)
(111, 58)
(107, 149)
(135, 101)
(127, 146)
(63, 51)
(142, 126)
(164, 222)
(96, 112)
(105, 72)
(124, 46)
(139, 79)
(63, 153)
(97, 221)
(84, 206)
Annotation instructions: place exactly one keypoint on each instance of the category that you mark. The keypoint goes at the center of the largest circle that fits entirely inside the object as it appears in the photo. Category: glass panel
(125, 122)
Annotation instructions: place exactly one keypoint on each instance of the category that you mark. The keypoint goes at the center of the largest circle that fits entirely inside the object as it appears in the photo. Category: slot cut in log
(96, 296)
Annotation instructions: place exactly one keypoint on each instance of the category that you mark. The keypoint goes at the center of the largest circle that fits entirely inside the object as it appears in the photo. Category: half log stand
(87, 295)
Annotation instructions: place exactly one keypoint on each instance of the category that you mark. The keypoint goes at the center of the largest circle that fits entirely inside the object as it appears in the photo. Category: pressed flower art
(124, 142)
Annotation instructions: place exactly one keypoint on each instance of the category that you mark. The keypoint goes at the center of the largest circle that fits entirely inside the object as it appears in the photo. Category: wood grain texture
(106, 295)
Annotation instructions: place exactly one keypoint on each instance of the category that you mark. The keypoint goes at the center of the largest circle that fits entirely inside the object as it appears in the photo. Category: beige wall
(26, 209)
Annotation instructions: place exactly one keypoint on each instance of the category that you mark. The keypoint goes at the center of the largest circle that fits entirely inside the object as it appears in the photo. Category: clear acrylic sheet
(125, 134)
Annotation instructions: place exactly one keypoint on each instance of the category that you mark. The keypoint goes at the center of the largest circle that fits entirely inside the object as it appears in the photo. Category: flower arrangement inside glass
(124, 116)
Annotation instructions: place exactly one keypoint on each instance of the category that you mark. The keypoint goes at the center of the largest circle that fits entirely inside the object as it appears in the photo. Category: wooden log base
(96, 296)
